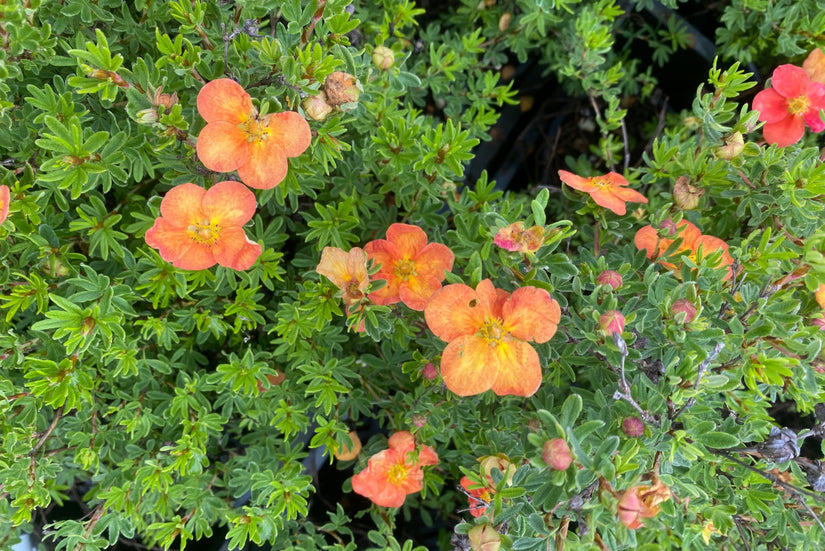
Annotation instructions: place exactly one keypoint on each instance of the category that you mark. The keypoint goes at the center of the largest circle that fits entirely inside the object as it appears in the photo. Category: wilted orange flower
(516, 239)
(640, 502)
(347, 271)
(608, 191)
(393, 473)
(648, 238)
(412, 268)
(236, 138)
(488, 332)
(5, 199)
(198, 228)
(814, 65)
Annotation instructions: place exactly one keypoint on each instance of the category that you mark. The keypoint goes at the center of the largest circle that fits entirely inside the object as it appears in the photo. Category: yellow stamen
(397, 474)
(601, 183)
(204, 232)
(492, 331)
(255, 131)
(405, 269)
(798, 106)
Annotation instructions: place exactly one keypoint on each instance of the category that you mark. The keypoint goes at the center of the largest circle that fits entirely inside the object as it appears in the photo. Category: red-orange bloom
(608, 191)
(198, 228)
(394, 473)
(236, 138)
(412, 268)
(516, 239)
(479, 495)
(488, 332)
(693, 241)
(5, 199)
(792, 102)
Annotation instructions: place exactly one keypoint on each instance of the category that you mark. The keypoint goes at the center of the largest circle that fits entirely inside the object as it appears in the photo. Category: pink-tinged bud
(819, 322)
(429, 372)
(316, 107)
(612, 322)
(686, 195)
(633, 426)
(609, 277)
(383, 57)
(556, 453)
(484, 538)
(734, 146)
(683, 311)
(419, 420)
(342, 88)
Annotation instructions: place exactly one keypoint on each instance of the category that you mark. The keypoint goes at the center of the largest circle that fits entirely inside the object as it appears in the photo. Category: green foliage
(170, 403)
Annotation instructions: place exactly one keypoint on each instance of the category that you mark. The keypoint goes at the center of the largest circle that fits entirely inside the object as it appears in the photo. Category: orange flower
(480, 495)
(515, 238)
(347, 271)
(393, 473)
(608, 191)
(814, 65)
(236, 138)
(819, 294)
(412, 268)
(487, 331)
(198, 228)
(640, 502)
(693, 241)
(5, 199)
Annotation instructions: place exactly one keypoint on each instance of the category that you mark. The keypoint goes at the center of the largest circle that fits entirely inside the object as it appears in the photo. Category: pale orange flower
(347, 271)
(820, 295)
(692, 242)
(5, 199)
(515, 238)
(413, 268)
(236, 138)
(198, 228)
(394, 473)
(814, 65)
(609, 191)
(488, 332)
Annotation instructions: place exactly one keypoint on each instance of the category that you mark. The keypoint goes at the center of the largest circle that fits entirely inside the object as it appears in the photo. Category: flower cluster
(237, 138)
(793, 101)
(199, 228)
(692, 244)
(394, 473)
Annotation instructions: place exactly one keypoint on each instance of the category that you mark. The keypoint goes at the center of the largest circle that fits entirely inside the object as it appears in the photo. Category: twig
(624, 388)
(737, 520)
(626, 148)
(700, 372)
(43, 437)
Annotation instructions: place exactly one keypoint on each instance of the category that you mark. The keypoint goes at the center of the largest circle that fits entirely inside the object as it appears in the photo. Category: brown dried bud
(683, 311)
(383, 57)
(484, 538)
(611, 278)
(556, 453)
(633, 426)
(316, 107)
(342, 88)
(734, 146)
(346, 453)
(504, 21)
(685, 195)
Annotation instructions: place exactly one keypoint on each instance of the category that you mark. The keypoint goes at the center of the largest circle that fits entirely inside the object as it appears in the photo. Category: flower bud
(611, 278)
(147, 116)
(383, 57)
(419, 420)
(633, 426)
(612, 322)
(734, 146)
(341, 88)
(683, 311)
(429, 372)
(556, 453)
(685, 195)
(484, 538)
(504, 21)
(346, 453)
(317, 107)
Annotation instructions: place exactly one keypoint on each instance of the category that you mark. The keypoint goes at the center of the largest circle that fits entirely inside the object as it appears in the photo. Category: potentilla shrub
(237, 243)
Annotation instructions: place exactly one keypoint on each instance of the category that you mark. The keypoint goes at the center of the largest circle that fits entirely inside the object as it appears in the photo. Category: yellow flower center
(204, 232)
(405, 269)
(601, 183)
(397, 474)
(798, 106)
(255, 131)
(492, 331)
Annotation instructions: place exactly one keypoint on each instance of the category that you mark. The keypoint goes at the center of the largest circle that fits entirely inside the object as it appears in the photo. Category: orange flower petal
(427, 456)
(576, 182)
(248, 255)
(334, 265)
(290, 131)
(609, 200)
(376, 490)
(402, 441)
(646, 239)
(433, 260)
(469, 366)
(170, 240)
(518, 370)
(222, 146)
(814, 65)
(531, 314)
(266, 165)
(229, 203)
(416, 291)
(454, 311)
(182, 205)
(784, 132)
(233, 249)
(5, 199)
(629, 195)
(224, 100)
(408, 238)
